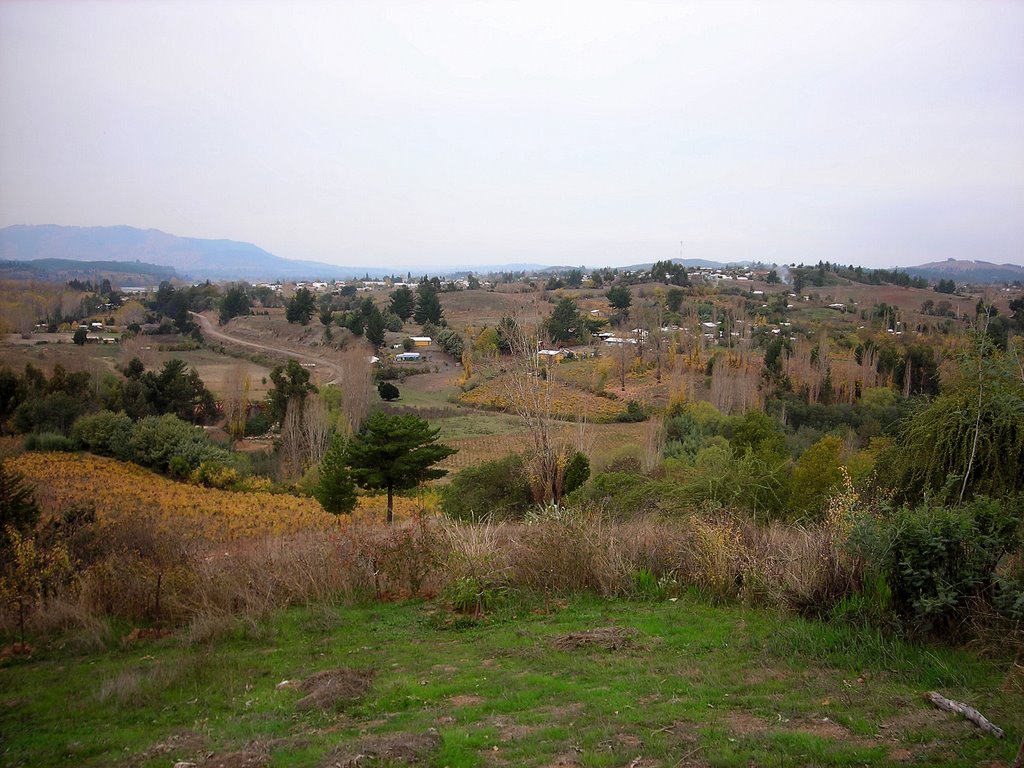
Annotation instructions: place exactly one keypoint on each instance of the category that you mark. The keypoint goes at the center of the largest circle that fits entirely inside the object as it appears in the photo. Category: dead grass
(392, 749)
(333, 689)
(604, 638)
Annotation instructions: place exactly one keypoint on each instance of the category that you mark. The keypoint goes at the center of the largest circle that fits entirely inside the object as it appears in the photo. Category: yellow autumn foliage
(120, 490)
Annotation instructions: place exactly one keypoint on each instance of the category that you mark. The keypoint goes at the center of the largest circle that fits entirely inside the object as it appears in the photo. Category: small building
(408, 357)
(552, 355)
(421, 341)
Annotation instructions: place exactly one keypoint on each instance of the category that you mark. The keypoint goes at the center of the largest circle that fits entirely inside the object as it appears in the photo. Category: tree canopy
(619, 297)
(300, 307)
(290, 381)
(395, 453)
(335, 489)
(403, 302)
(428, 305)
(566, 325)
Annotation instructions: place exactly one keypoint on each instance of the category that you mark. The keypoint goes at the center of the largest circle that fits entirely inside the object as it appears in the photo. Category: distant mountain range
(119, 272)
(963, 271)
(53, 250)
(189, 256)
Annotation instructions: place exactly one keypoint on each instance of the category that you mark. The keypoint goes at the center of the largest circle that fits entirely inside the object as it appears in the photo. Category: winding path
(212, 331)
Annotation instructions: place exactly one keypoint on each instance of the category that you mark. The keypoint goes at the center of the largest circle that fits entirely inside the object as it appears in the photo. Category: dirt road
(324, 366)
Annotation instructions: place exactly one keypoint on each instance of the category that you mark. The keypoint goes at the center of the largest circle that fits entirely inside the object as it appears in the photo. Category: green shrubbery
(104, 433)
(940, 562)
(48, 441)
(158, 440)
(491, 490)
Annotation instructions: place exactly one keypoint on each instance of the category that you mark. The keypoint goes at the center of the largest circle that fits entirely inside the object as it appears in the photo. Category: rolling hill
(965, 271)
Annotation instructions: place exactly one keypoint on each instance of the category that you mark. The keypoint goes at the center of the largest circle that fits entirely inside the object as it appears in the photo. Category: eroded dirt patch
(255, 754)
(605, 638)
(510, 730)
(333, 689)
(182, 742)
(744, 723)
(465, 700)
(401, 748)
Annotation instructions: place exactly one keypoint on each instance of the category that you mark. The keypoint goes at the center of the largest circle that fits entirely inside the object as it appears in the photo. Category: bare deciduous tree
(292, 464)
(236, 399)
(316, 430)
(356, 385)
(529, 392)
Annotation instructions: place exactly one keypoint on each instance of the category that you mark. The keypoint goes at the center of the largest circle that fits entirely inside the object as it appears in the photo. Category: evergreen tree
(428, 305)
(375, 328)
(289, 381)
(301, 307)
(565, 325)
(395, 452)
(335, 489)
(620, 298)
(18, 510)
(235, 302)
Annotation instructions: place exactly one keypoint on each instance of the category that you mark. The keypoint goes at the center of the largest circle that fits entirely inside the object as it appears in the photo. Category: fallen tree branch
(966, 711)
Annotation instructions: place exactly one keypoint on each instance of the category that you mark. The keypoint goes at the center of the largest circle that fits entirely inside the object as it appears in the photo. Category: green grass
(714, 685)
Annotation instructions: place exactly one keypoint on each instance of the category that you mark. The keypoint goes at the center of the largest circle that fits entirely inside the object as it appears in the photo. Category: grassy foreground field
(589, 682)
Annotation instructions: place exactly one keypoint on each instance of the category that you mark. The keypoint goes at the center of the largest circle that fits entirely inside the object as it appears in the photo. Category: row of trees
(31, 402)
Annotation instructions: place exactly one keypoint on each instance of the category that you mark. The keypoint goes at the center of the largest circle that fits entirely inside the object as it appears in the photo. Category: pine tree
(395, 453)
(336, 490)
(18, 510)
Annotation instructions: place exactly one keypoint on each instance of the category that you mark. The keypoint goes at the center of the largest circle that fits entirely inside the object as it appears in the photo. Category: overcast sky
(434, 134)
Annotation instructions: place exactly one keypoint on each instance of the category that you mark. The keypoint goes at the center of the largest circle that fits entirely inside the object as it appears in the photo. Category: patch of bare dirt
(902, 755)
(333, 689)
(565, 760)
(253, 756)
(744, 723)
(765, 675)
(688, 747)
(564, 712)
(509, 729)
(605, 638)
(918, 719)
(146, 633)
(465, 700)
(401, 748)
(182, 742)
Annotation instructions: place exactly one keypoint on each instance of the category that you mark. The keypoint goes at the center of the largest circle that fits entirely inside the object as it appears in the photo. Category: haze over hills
(962, 270)
(119, 272)
(51, 249)
(189, 256)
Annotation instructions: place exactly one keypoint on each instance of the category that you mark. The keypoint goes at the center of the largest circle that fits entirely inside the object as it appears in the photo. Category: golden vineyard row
(119, 490)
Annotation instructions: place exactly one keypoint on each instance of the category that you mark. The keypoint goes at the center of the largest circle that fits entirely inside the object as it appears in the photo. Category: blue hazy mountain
(190, 257)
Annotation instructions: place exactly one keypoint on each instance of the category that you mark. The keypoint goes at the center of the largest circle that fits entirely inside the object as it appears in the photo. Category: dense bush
(939, 561)
(451, 342)
(491, 490)
(388, 391)
(970, 439)
(634, 413)
(104, 433)
(168, 443)
(259, 424)
(815, 475)
(577, 471)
